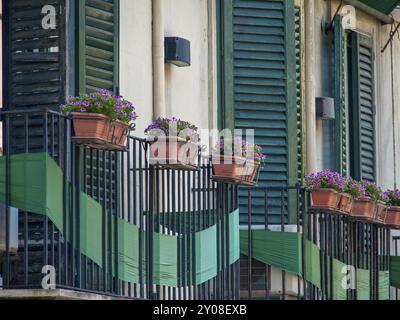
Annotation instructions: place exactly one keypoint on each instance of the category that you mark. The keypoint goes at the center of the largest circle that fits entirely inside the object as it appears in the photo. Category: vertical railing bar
(72, 218)
(117, 215)
(189, 235)
(249, 244)
(104, 221)
(7, 203)
(184, 237)
(45, 218)
(110, 214)
(26, 219)
(78, 180)
(179, 233)
(64, 204)
(194, 269)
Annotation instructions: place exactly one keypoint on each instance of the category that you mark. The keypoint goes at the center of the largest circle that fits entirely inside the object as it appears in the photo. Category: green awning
(384, 6)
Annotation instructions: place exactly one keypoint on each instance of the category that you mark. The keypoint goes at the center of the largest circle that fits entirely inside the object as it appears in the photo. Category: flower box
(324, 199)
(380, 212)
(99, 131)
(101, 119)
(235, 170)
(237, 161)
(174, 144)
(393, 217)
(174, 153)
(363, 208)
(345, 203)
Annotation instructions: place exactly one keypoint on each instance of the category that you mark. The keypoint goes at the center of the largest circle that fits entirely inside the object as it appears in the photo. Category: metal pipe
(310, 86)
(159, 106)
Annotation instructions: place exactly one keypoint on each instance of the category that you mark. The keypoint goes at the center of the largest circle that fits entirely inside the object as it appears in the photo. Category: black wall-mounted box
(325, 108)
(177, 51)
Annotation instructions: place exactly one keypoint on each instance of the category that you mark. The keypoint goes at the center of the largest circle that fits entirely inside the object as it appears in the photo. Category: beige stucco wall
(136, 70)
(188, 93)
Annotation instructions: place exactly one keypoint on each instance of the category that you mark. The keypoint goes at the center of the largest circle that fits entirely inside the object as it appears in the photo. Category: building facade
(255, 65)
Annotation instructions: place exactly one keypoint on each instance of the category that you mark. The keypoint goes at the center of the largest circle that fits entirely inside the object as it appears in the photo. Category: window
(361, 89)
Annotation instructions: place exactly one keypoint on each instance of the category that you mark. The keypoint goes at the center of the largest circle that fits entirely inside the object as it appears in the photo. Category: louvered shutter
(98, 67)
(341, 112)
(264, 92)
(362, 107)
(98, 45)
(33, 62)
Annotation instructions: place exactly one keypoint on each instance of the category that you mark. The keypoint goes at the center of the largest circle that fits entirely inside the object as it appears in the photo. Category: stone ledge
(57, 294)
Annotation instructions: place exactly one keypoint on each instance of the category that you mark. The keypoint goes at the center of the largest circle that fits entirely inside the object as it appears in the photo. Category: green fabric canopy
(37, 186)
(313, 265)
(339, 280)
(206, 265)
(384, 285)
(279, 249)
(395, 272)
(363, 284)
(384, 6)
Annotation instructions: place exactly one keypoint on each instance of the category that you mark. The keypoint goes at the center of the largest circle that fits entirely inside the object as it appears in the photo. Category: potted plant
(325, 189)
(364, 206)
(393, 212)
(101, 119)
(174, 143)
(376, 194)
(350, 191)
(237, 161)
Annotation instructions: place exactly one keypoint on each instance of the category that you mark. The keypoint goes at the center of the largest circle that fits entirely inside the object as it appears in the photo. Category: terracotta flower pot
(98, 131)
(364, 208)
(324, 199)
(234, 169)
(380, 212)
(393, 217)
(345, 203)
(119, 133)
(174, 153)
(91, 126)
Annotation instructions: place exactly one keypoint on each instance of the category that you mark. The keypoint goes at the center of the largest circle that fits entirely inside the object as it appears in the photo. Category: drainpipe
(310, 86)
(159, 106)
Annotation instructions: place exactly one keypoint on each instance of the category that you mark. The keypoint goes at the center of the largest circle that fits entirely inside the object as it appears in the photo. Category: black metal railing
(278, 209)
(395, 292)
(128, 188)
(362, 245)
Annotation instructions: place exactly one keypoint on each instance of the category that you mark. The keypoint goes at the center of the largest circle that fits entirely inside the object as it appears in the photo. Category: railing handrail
(33, 111)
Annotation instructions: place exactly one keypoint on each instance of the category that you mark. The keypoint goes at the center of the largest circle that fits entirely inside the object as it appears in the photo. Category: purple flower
(103, 102)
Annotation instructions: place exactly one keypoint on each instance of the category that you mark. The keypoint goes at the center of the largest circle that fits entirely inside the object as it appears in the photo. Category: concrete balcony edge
(56, 294)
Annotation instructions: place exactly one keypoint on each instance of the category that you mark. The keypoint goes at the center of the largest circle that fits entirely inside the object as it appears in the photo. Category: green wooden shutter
(98, 51)
(341, 112)
(258, 90)
(34, 57)
(33, 66)
(362, 105)
(98, 45)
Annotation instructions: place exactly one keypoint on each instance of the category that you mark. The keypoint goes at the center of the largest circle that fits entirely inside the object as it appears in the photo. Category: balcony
(88, 222)
(296, 252)
(82, 223)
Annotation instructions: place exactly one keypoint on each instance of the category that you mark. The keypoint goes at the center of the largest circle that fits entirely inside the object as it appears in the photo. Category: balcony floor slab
(57, 294)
